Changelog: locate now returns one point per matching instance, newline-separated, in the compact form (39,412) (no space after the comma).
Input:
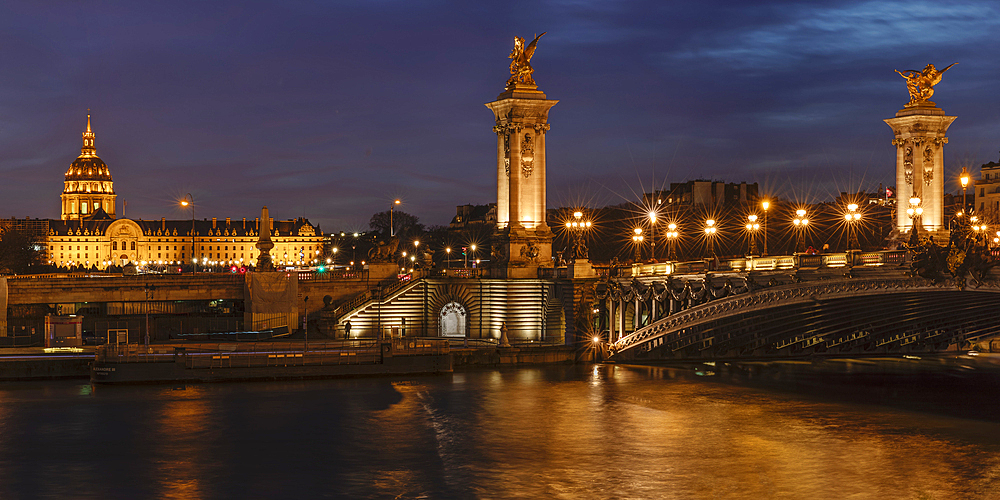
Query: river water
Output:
(594,431)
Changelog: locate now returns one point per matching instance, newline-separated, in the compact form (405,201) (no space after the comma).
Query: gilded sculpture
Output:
(921,84)
(520,64)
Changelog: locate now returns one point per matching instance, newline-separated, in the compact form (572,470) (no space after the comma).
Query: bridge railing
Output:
(333,275)
(774,263)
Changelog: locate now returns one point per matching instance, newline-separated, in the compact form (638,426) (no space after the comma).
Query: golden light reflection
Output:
(184,423)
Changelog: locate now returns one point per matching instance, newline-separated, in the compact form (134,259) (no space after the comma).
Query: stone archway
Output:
(123,258)
(451,320)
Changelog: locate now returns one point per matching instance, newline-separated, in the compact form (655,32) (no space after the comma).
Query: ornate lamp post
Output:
(447,252)
(852,217)
(752,228)
(800,222)
(188,201)
(672,235)
(965,183)
(637,241)
(980,230)
(578,228)
(472,247)
(914,213)
(710,230)
(765,205)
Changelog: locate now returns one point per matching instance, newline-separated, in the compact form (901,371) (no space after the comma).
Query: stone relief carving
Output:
(529,251)
(527,155)
(908,164)
(528,146)
(506,154)
(928,165)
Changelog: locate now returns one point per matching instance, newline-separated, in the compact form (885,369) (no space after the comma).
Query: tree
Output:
(402,223)
(19,251)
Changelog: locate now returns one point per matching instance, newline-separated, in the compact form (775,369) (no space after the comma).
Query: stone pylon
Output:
(524,240)
(919,139)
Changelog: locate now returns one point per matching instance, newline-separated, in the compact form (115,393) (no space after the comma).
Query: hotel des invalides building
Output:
(89,234)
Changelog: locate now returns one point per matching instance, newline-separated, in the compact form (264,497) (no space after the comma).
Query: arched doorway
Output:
(451,321)
(123,258)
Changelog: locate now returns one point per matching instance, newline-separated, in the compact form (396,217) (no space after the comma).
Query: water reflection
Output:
(563,432)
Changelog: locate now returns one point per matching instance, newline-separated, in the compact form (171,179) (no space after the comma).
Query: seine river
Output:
(592,431)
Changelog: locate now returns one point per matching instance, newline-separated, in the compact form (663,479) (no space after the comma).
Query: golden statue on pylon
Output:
(520,64)
(921,83)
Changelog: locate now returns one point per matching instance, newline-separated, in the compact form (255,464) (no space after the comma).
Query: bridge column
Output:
(636,315)
(622,309)
(611,320)
(652,310)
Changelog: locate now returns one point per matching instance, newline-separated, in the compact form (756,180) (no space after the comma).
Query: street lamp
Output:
(391,231)
(752,228)
(188,201)
(914,213)
(800,221)
(765,205)
(965,183)
(448,252)
(710,230)
(472,247)
(637,241)
(652,230)
(672,235)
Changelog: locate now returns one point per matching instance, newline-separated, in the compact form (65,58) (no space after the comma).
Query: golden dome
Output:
(88,166)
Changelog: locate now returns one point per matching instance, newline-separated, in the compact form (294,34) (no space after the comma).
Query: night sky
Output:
(329,110)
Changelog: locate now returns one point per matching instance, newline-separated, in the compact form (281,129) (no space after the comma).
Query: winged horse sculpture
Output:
(520,64)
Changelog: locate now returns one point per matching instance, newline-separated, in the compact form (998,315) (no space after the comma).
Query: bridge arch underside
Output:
(858,325)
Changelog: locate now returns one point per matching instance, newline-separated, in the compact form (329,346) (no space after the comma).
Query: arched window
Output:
(133,245)
(451,321)
(114,245)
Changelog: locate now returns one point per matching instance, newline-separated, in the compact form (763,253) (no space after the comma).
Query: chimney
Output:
(214,220)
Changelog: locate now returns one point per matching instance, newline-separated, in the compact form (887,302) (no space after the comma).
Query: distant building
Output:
(473,215)
(862,198)
(986,191)
(704,193)
(34,227)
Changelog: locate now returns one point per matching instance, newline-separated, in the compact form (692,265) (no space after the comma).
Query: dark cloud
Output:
(330,109)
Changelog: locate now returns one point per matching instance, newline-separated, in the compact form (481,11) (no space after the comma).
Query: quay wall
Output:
(45,368)
(513,356)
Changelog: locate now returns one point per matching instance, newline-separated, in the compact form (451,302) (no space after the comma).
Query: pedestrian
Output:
(347,330)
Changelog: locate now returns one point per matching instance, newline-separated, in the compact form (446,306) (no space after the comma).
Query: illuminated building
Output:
(90,235)
(88,188)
